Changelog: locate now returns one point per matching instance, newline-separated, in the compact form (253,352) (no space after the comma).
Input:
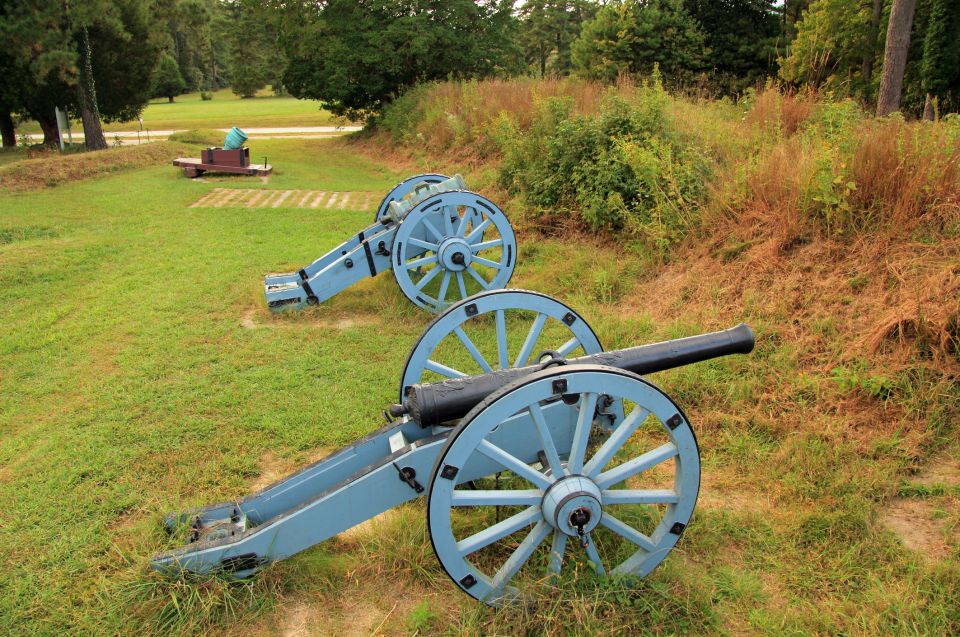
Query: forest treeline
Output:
(104,59)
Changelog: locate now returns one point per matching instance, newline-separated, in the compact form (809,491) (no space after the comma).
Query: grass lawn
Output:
(223,111)
(141,373)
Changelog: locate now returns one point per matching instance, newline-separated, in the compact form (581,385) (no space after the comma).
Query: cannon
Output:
(556,455)
(442,242)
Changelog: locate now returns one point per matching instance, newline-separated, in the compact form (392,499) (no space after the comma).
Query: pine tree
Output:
(632,36)
(547,30)
(166,80)
(73,53)
(940,70)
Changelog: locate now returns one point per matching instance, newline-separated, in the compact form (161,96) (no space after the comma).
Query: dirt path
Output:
(294,132)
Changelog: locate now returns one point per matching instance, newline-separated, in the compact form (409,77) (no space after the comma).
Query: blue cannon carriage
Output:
(535,450)
(441,241)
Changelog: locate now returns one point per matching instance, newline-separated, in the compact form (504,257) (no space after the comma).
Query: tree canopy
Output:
(252,33)
(547,30)
(358,54)
(166,79)
(92,58)
(632,36)
(839,43)
(832,38)
(940,69)
(741,36)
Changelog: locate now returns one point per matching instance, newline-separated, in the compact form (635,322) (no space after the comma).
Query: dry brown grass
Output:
(783,111)
(892,179)
(53,169)
(906,173)
(461,118)
(890,305)
(925,309)
(776,193)
(478,103)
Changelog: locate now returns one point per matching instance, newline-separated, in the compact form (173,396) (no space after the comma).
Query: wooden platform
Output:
(193,167)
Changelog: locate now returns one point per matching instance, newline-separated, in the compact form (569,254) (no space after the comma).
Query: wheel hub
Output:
(573,505)
(454,254)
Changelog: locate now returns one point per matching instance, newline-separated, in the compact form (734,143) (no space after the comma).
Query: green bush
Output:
(625,168)
(401,116)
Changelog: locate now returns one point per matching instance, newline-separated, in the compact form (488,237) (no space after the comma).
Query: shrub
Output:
(626,168)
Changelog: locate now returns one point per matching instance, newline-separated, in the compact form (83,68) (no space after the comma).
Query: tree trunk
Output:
(170,99)
(895,56)
(87,93)
(48,124)
(8,132)
(929,112)
(871,52)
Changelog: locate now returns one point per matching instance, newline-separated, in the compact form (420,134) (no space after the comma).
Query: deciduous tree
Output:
(355,55)
(832,38)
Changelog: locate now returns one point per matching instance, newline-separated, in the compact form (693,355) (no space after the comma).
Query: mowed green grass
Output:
(140,373)
(130,387)
(223,111)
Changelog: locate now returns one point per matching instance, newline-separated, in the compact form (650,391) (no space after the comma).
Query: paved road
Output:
(296,132)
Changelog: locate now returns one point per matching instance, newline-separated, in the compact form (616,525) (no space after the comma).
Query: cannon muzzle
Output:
(435,403)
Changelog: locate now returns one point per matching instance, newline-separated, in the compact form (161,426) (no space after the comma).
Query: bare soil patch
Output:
(914,520)
(250,321)
(944,469)
(914,523)
(716,492)
(274,468)
(361,609)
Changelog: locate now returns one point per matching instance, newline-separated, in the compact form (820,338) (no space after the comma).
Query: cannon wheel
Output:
(617,503)
(542,322)
(406,187)
(450,246)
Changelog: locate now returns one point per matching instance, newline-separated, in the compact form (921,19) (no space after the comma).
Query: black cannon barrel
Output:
(436,403)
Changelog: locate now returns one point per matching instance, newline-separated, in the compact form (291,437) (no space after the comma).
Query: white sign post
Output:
(63,122)
(60,125)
